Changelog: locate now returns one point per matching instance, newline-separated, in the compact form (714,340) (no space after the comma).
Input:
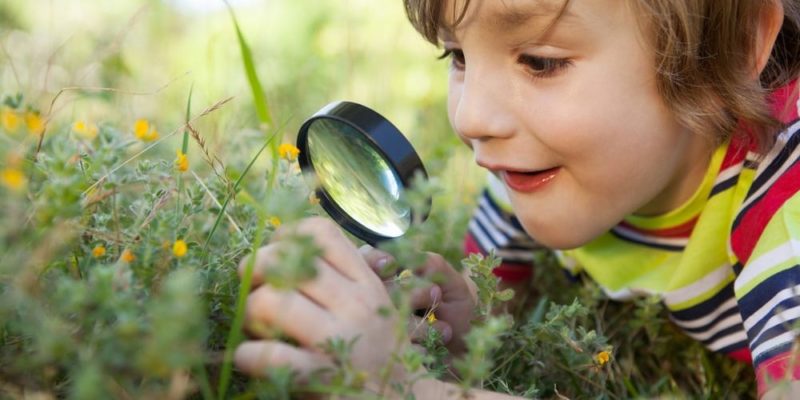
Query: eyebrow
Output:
(512,18)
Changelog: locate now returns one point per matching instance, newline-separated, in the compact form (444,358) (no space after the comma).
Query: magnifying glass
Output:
(363,164)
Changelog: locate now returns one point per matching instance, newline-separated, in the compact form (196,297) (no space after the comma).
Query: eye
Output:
(543,67)
(456,57)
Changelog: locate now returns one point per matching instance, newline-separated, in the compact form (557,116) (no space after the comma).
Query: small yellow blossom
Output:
(143,131)
(10,120)
(602,357)
(431,318)
(405,274)
(85,130)
(181,161)
(275,222)
(179,248)
(98,251)
(13,179)
(34,122)
(288,151)
(127,256)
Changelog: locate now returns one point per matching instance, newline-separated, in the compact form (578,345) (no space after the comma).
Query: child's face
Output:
(579,105)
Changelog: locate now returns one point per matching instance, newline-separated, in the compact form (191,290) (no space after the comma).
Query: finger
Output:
(330,289)
(289,311)
(426,297)
(336,248)
(378,261)
(255,357)
(418,329)
(451,282)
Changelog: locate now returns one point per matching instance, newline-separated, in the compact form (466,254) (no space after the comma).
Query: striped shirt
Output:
(726,264)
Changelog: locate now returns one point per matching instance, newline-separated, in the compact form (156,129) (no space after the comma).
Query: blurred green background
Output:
(307,52)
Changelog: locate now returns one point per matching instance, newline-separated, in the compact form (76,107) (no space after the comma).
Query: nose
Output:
(480,106)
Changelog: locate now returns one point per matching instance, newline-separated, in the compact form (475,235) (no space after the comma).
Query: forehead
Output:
(500,14)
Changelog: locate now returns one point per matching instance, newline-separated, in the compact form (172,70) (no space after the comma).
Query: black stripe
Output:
(737,268)
(740,345)
(667,247)
(722,186)
(774,332)
(764,176)
(706,307)
(710,325)
(751,302)
(725,332)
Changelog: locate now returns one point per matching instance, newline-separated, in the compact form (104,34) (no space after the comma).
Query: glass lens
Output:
(357,177)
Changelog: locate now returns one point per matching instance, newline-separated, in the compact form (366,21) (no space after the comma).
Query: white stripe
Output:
(725,341)
(779,145)
(701,286)
(627,293)
(631,234)
(767,308)
(729,172)
(720,326)
(480,237)
(497,236)
(514,255)
(787,337)
(770,259)
(497,221)
(706,319)
(785,317)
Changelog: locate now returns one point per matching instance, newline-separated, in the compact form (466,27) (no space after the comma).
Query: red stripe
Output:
(736,153)
(742,355)
(782,367)
(755,220)
(509,272)
(683,230)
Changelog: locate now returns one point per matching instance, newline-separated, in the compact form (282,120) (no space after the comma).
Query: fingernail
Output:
(381,263)
(447,333)
(436,293)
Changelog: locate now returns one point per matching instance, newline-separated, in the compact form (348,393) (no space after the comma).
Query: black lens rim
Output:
(385,138)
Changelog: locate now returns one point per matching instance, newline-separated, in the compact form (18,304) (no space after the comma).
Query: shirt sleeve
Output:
(766,241)
(494,227)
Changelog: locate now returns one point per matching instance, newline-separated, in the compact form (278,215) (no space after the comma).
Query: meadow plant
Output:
(118,278)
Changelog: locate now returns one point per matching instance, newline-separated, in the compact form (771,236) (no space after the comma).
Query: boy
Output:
(637,135)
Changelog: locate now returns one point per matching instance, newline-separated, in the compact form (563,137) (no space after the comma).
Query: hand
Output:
(452,299)
(342,301)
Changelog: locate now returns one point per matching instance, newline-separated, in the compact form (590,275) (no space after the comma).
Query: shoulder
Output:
(776,183)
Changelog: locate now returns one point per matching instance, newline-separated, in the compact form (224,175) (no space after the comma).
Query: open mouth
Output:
(528,181)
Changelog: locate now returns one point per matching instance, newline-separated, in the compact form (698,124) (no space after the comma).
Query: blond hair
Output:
(704,53)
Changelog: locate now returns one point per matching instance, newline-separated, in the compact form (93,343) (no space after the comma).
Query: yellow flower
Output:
(181,161)
(431,318)
(275,222)
(127,256)
(288,151)
(85,130)
(602,357)
(179,248)
(98,251)
(143,131)
(13,179)
(34,122)
(10,120)
(405,274)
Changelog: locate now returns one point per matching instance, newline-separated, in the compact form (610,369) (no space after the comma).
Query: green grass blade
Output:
(259,98)
(184,146)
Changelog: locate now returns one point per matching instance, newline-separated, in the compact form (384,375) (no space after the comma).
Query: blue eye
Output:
(543,67)
(456,56)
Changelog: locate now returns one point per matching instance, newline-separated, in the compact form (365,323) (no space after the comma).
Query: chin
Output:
(562,237)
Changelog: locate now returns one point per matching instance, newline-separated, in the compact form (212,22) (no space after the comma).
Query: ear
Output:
(769,25)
